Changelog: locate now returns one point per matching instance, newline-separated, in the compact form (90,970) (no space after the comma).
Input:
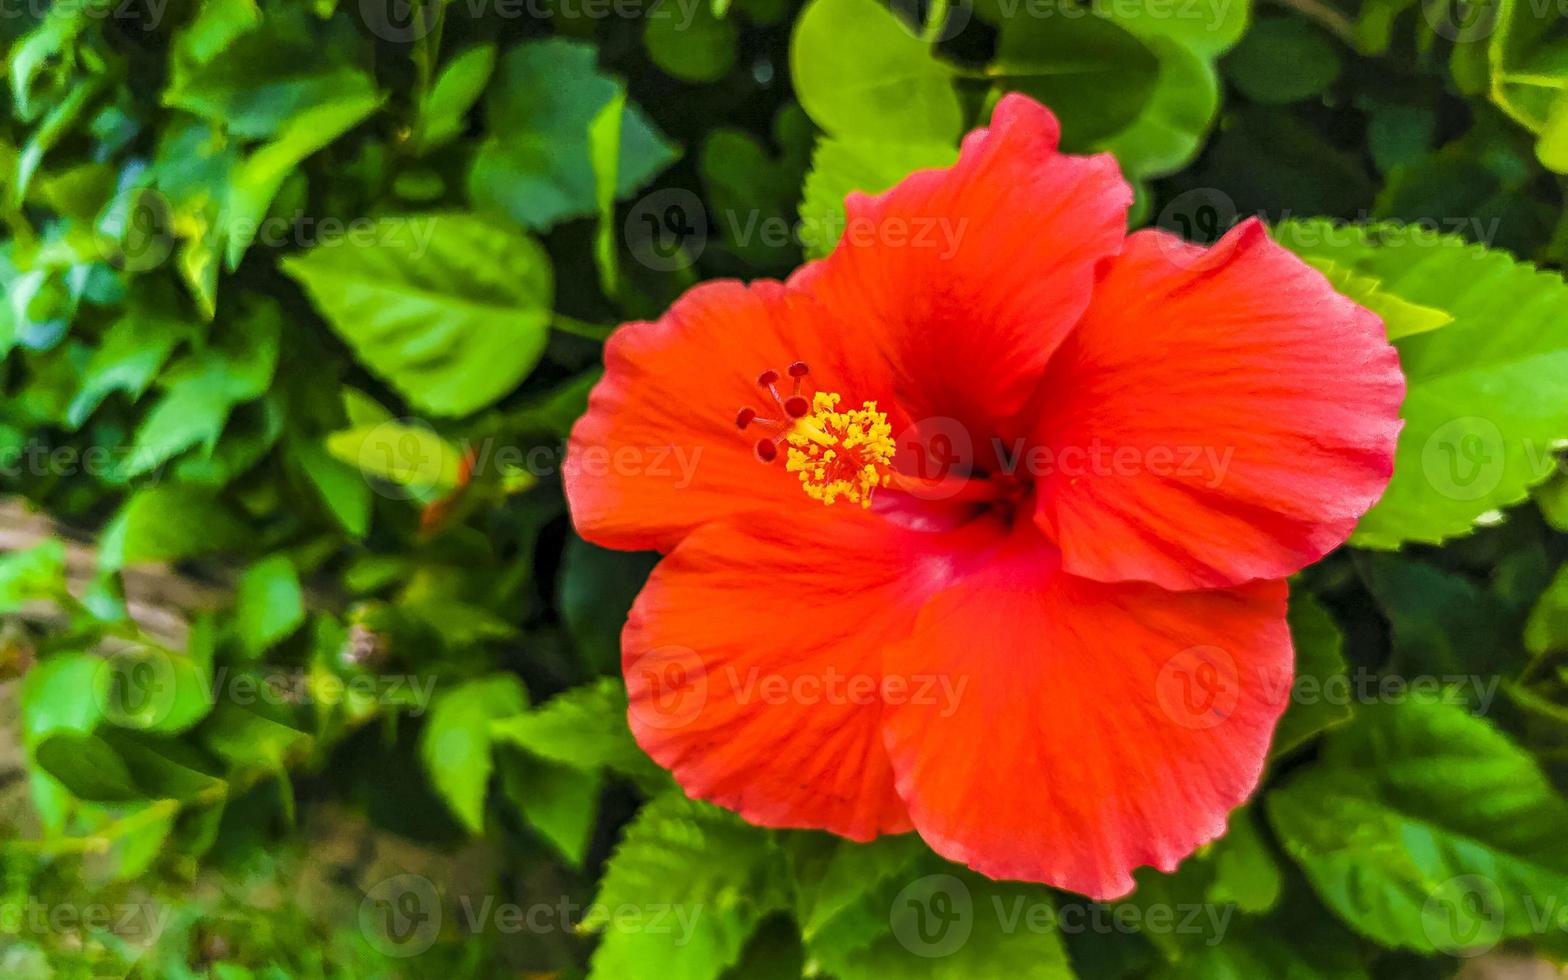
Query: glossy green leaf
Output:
(861,73)
(455,745)
(711,879)
(1424,827)
(1466,450)
(534,165)
(1094,74)
(452,310)
(269,604)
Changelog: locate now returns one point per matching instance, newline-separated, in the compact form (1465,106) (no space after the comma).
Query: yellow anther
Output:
(841,454)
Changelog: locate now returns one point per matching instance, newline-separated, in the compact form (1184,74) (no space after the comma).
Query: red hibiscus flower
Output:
(978,526)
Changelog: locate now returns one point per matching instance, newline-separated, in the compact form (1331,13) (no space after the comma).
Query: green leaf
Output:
(217,24)
(203,388)
(144,688)
(1441,622)
(934,919)
(343,489)
(838,885)
(1527,65)
(410,456)
(257,180)
(604,148)
(840,166)
(560,802)
(453,320)
(861,73)
(169,521)
(1297,941)
(1283,60)
(269,604)
(1400,317)
(584,728)
(1487,396)
(1546,631)
(709,878)
(455,745)
(1095,75)
(87,766)
(127,360)
(444,112)
(1316,702)
(162,767)
(689,41)
(256,737)
(534,165)
(57,696)
(1170,127)
(1245,871)
(54,36)
(32,573)
(1423,827)
(258,83)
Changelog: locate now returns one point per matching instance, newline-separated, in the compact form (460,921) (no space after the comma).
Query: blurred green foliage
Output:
(303,296)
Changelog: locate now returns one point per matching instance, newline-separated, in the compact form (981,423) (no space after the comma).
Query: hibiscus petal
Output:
(970,276)
(1098,727)
(658,452)
(1218,416)
(752,663)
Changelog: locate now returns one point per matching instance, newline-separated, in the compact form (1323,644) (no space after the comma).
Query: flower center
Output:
(846,454)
